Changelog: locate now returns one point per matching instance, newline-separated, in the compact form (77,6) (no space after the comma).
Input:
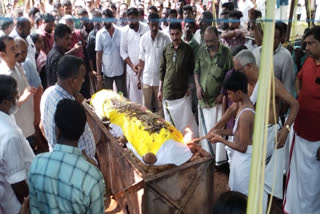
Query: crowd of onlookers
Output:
(167,56)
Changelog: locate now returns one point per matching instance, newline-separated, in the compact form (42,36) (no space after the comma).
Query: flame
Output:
(188,136)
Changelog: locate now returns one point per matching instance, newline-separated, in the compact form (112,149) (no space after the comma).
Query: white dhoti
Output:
(179,113)
(134,94)
(303,178)
(210,117)
(240,171)
(275,164)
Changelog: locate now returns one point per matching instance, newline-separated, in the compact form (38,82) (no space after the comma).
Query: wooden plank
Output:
(290,19)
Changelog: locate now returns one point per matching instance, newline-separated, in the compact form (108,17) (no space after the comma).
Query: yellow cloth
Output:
(133,128)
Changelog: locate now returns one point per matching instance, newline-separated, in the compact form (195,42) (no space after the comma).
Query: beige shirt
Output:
(25,115)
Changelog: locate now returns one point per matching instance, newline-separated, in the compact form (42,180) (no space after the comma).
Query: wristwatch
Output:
(288,127)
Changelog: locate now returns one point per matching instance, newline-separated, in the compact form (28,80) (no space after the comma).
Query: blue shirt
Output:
(63,181)
(30,71)
(48,106)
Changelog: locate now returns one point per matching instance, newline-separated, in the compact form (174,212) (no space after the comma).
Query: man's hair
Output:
(70,118)
(212,29)
(175,26)
(48,17)
(141,12)
(228,5)
(21,22)
(281,27)
(35,37)
(82,12)
(113,6)
(153,8)
(132,11)
(60,31)
(172,11)
(5,23)
(123,3)
(183,1)
(237,81)
(315,31)
(154,17)
(8,85)
(56,5)
(224,13)
(238,48)
(66,3)
(187,8)
(97,14)
(235,14)
(68,67)
(33,11)
(107,13)
(3,39)
(207,17)
(245,57)
(231,202)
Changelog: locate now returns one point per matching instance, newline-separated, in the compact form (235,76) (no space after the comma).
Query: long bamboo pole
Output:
(292,6)
(255,197)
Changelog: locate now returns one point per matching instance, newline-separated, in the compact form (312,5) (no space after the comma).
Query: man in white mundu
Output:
(303,189)
(129,51)
(212,62)
(177,64)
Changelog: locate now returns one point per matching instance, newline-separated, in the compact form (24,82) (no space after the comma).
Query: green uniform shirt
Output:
(175,68)
(211,72)
(193,43)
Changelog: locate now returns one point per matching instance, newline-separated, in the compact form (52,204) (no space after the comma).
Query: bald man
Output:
(31,74)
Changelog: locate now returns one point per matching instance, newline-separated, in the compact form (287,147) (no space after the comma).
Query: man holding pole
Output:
(212,62)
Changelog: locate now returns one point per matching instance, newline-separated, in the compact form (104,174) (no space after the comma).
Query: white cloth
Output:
(211,117)
(317,14)
(275,166)
(25,114)
(180,112)
(303,189)
(151,53)
(15,159)
(167,32)
(130,47)
(112,63)
(244,6)
(254,95)
(239,177)
(241,164)
(170,152)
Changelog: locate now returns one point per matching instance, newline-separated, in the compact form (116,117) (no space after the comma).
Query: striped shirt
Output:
(48,105)
(63,181)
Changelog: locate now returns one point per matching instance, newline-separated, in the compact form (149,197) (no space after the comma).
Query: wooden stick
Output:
(199,139)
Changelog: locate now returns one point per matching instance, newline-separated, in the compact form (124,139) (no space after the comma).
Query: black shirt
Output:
(51,66)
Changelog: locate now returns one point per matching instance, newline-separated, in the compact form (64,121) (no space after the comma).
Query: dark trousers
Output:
(120,83)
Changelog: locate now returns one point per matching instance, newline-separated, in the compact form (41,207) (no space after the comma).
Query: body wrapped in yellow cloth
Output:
(146,132)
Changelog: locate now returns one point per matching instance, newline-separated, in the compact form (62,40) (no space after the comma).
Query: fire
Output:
(188,136)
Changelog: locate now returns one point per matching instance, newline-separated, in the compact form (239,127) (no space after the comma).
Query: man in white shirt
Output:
(25,114)
(109,61)
(151,48)
(15,153)
(129,51)
(22,29)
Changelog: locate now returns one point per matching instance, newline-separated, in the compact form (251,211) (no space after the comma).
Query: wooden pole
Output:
(308,9)
(293,2)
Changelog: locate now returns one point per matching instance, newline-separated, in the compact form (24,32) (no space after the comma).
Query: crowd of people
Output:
(168,57)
